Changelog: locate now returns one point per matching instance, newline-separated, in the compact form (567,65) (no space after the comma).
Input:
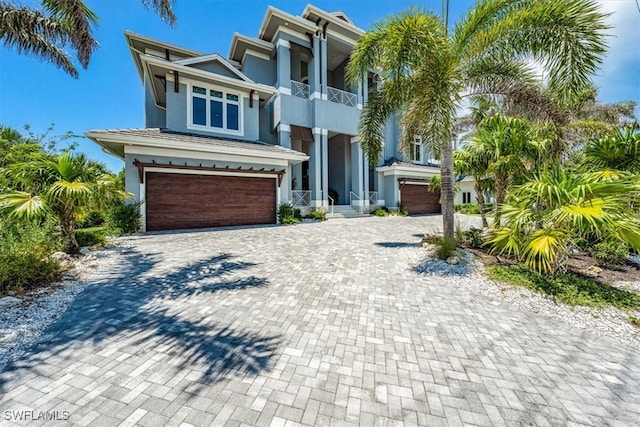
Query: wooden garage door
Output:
(176,201)
(418,199)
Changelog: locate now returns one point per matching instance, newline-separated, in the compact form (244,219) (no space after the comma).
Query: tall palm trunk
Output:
(446,174)
(68,226)
(480,199)
(501,193)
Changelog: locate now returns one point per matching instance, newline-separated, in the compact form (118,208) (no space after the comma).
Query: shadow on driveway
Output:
(152,310)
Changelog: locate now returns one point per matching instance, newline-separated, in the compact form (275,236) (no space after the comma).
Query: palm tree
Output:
(46,32)
(467,164)
(548,214)
(59,188)
(503,150)
(426,71)
(619,150)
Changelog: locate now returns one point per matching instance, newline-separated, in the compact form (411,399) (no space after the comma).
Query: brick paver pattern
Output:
(315,324)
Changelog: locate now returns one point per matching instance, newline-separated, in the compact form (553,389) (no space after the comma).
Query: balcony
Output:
(342,97)
(299,89)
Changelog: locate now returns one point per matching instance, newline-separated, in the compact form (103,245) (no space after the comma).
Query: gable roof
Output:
(141,44)
(241,43)
(274,18)
(339,22)
(214,57)
(159,67)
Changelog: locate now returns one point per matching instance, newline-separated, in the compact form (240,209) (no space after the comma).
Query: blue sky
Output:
(109,93)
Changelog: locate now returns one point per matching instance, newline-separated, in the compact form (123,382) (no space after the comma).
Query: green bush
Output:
(25,251)
(402,209)
(287,210)
(124,217)
(568,288)
(473,237)
(446,248)
(92,236)
(288,220)
(467,208)
(380,212)
(610,253)
(318,215)
(91,219)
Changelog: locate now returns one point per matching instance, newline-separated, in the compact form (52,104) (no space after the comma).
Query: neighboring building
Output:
(227,139)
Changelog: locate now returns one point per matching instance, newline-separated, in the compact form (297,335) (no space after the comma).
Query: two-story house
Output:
(227,139)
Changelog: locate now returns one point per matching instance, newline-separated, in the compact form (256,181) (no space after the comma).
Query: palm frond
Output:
(544,248)
(568,37)
(31,32)
(378,108)
(21,204)
(164,9)
(79,21)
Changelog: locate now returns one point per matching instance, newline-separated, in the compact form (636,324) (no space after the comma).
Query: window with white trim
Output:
(415,150)
(466,197)
(214,109)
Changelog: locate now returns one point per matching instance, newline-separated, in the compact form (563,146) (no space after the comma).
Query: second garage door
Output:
(418,199)
(178,201)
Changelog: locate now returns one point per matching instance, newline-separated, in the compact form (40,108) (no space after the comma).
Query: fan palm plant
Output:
(467,164)
(45,32)
(619,150)
(426,71)
(59,188)
(548,214)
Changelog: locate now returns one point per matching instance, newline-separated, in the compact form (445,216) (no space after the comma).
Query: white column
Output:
(325,167)
(357,182)
(365,179)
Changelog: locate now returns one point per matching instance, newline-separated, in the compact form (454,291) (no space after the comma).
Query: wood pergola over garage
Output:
(188,181)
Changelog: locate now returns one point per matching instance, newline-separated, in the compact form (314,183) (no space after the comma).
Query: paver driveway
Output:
(316,324)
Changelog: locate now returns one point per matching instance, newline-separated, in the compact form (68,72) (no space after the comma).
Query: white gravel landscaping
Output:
(22,323)
(608,322)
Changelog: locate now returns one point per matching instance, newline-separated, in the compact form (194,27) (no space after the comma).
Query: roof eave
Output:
(102,138)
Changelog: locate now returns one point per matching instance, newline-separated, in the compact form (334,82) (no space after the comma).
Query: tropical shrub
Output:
(288,210)
(91,236)
(25,251)
(555,209)
(610,253)
(318,215)
(380,212)
(59,188)
(568,288)
(468,208)
(91,219)
(124,217)
(473,237)
(445,248)
(288,220)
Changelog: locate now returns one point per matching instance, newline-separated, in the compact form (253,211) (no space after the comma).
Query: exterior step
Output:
(345,211)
